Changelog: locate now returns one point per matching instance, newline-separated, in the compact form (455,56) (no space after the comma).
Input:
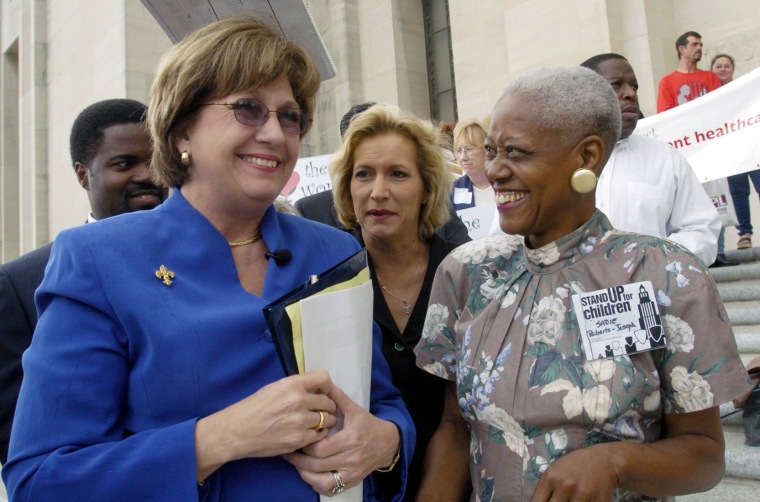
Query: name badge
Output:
(619,320)
(462,196)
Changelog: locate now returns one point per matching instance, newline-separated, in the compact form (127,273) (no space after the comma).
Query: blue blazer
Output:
(122,366)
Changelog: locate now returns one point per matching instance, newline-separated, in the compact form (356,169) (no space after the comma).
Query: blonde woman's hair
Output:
(472,131)
(436,177)
(236,54)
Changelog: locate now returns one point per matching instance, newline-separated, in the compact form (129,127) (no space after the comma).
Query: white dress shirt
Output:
(649,188)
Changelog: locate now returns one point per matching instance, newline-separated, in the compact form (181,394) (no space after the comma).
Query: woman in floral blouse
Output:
(584,363)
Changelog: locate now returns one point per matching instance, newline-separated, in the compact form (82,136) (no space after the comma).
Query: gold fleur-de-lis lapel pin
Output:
(165,275)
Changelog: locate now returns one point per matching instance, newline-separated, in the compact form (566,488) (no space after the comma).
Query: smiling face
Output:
(530,167)
(623,81)
(117,178)
(724,69)
(387,189)
(235,167)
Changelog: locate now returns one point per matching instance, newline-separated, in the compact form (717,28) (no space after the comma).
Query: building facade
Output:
(441,59)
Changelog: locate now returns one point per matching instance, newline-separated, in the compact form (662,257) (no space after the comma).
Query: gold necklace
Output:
(255,238)
(407,308)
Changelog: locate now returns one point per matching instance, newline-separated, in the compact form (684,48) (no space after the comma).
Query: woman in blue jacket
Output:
(151,375)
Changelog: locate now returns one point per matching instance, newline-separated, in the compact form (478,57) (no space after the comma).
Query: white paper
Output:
(478,219)
(337,337)
(180,17)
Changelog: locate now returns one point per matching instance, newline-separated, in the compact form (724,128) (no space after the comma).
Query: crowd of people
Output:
(151,374)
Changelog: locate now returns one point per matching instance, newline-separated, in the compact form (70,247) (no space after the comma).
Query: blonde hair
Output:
(471,131)
(430,161)
(236,54)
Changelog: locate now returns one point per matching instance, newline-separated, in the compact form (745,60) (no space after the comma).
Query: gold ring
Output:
(321,423)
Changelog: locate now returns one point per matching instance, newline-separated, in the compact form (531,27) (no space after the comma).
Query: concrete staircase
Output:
(739,287)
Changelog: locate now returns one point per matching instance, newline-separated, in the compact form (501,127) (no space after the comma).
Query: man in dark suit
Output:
(110,150)
(319,207)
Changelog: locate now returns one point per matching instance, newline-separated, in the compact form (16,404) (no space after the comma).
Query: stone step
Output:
(739,291)
(743,313)
(747,340)
(741,272)
(744,255)
(742,462)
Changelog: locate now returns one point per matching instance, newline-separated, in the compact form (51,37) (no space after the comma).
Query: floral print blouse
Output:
(502,325)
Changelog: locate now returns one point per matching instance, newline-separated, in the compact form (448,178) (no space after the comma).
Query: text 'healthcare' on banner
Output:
(718,133)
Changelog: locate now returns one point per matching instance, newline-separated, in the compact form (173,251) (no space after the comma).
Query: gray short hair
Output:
(572,100)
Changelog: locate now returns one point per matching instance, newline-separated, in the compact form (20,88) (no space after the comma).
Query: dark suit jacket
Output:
(18,317)
(319,207)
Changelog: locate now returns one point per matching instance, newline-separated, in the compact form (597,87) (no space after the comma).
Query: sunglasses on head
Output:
(252,112)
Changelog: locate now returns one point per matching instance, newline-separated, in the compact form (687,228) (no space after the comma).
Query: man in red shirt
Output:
(687,82)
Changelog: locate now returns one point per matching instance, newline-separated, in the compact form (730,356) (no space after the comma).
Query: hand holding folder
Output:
(326,323)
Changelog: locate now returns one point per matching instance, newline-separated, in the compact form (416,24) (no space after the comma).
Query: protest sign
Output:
(309,177)
(718,132)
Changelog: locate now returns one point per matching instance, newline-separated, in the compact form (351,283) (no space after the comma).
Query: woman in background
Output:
(723,66)
(151,375)
(473,188)
(391,186)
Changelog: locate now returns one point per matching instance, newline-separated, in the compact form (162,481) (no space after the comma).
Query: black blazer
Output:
(19,279)
(319,207)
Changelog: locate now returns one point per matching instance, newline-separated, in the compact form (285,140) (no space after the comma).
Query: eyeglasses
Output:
(468,150)
(253,113)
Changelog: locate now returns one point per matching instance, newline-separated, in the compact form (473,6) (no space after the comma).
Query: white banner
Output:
(719,133)
(310,176)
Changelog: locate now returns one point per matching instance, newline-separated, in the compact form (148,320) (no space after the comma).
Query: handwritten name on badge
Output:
(619,320)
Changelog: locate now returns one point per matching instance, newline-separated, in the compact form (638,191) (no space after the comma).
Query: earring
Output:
(185,158)
(583,180)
